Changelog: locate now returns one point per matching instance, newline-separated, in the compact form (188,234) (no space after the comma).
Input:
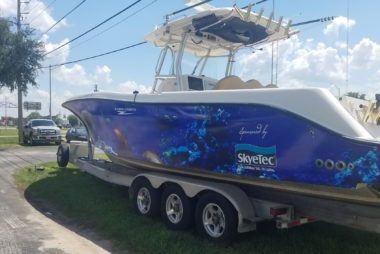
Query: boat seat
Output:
(229,82)
(234,82)
(253,84)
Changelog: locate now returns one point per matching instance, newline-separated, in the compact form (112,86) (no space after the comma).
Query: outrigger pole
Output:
(331,18)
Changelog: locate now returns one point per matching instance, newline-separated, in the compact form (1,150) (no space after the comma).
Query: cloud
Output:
(68,94)
(299,64)
(38,95)
(38,18)
(365,54)
(8,8)
(78,76)
(322,63)
(43,96)
(131,86)
(75,75)
(315,64)
(337,24)
(102,75)
(59,56)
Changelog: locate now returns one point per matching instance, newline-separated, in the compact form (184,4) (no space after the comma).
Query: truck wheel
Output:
(24,139)
(176,208)
(63,155)
(215,218)
(145,198)
(31,141)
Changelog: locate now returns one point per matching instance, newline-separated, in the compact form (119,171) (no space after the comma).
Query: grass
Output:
(8,131)
(105,208)
(8,138)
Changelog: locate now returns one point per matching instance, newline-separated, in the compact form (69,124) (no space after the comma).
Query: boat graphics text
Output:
(251,155)
(261,129)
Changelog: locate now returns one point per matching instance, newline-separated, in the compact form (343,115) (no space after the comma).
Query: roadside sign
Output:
(31,105)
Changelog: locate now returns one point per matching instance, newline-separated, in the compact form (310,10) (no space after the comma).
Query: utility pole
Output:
(6,113)
(19,88)
(347,43)
(7,104)
(50,91)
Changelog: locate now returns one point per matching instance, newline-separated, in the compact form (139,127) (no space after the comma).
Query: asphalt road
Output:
(22,228)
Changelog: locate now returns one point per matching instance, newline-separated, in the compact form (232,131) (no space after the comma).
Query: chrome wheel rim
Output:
(214,220)
(143,200)
(174,208)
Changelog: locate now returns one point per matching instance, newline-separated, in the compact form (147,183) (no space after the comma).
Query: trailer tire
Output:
(215,218)
(63,155)
(146,200)
(176,208)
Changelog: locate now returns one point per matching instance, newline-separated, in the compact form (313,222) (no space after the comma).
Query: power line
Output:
(93,28)
(34,6)
(116,24)
(259,2)
(38,15)
(56,23)
(187,8)
(95,56)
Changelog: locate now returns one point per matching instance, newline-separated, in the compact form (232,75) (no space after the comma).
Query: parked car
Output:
(41,131)
(76,133)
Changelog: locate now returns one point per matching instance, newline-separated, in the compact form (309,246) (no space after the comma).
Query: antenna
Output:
(347,42)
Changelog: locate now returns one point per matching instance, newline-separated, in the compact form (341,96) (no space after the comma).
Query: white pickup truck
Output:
(41,131)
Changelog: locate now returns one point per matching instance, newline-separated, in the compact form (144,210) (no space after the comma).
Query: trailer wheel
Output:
(63,155)
(145,198)
(176,208)
(215,218)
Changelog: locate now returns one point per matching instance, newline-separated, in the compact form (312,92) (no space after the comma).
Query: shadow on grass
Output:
(80,200)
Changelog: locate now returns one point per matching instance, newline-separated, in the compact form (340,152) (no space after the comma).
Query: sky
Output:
(315,57)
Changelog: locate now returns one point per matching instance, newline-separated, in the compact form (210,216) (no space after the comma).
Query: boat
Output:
(299,141)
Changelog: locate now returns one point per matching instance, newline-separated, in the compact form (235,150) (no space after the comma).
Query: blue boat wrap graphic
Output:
(209,136)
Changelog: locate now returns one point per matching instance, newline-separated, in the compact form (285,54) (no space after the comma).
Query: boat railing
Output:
(162,77)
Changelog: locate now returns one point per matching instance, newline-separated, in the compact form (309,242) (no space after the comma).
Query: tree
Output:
(73,120)
(57,119)
(356,95)
(20,60)
(33,115)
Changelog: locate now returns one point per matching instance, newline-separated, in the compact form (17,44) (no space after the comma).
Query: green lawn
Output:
(8,137)
(8,131)
(105,208)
